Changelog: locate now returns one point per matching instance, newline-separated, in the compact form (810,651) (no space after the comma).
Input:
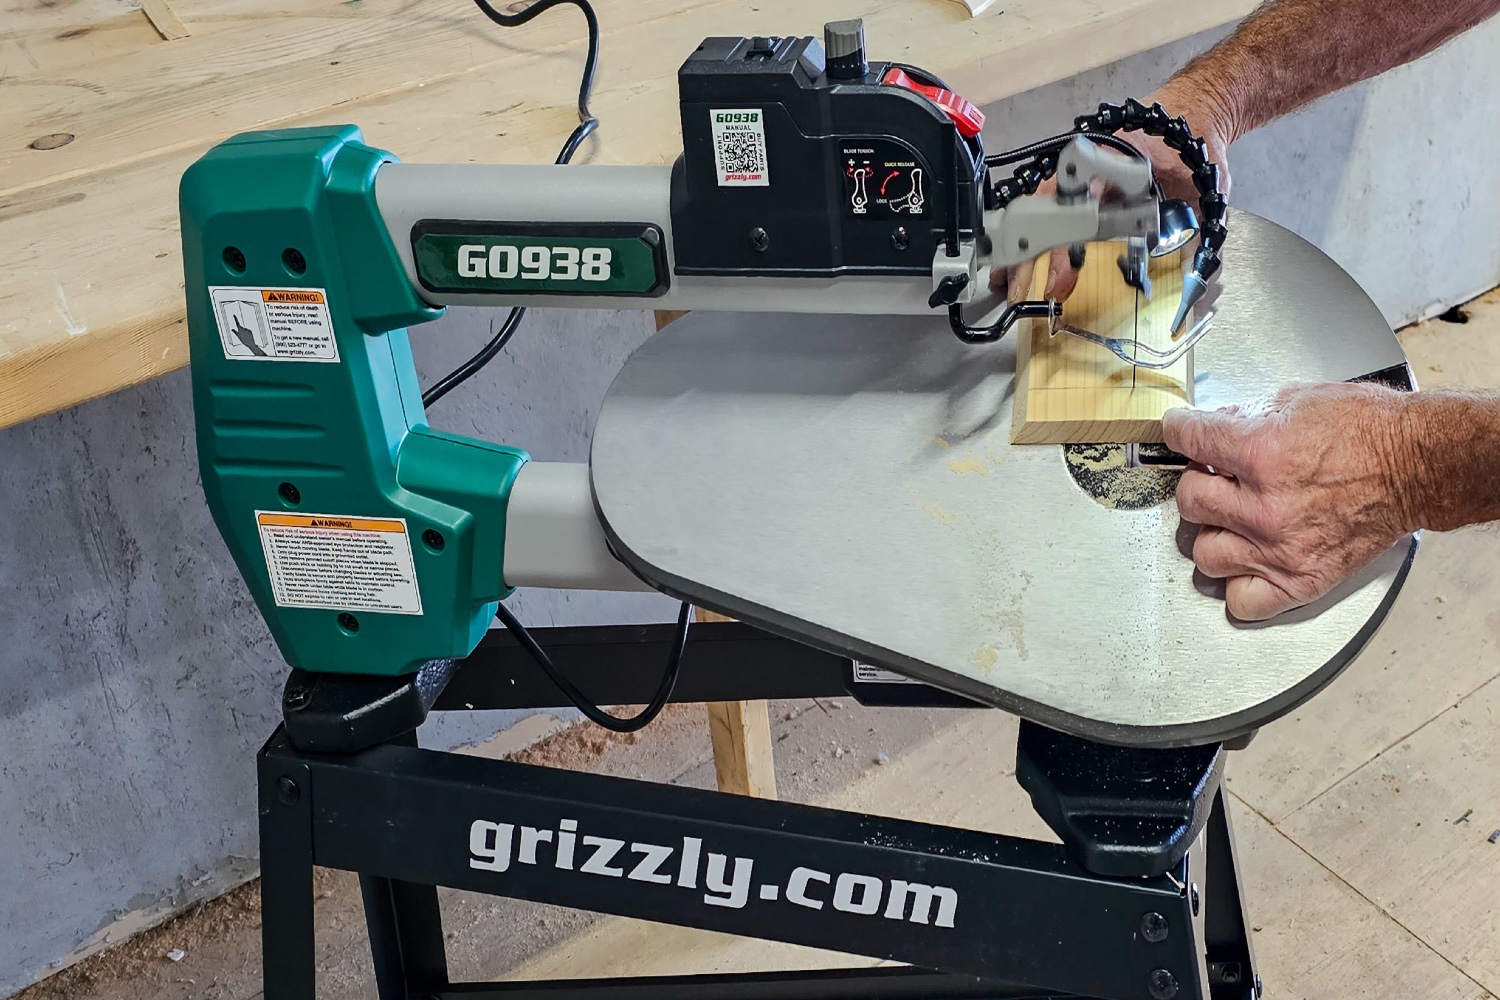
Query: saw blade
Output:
(1135,353)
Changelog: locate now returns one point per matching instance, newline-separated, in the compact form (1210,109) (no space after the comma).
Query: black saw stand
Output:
(1142,903)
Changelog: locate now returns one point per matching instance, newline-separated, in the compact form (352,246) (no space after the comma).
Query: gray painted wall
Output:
(136,679)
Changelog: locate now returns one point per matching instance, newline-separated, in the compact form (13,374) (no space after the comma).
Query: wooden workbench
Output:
(100,113)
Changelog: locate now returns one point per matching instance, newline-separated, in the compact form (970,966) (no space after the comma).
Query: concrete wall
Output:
(136,679)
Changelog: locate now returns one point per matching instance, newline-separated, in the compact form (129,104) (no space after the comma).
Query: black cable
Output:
(590,62)
(486,353)
(587,123)
(1056,143)
(577,697)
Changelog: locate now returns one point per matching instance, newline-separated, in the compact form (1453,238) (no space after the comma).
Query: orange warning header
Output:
(330,521)
(282,295)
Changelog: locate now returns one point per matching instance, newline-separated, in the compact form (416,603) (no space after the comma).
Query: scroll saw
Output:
(819,450)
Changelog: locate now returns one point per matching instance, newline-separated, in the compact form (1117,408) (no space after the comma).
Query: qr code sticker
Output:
(740,147)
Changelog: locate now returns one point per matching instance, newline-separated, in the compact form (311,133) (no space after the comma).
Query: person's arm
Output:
(1298,492)
(1289,53)
(1286,54)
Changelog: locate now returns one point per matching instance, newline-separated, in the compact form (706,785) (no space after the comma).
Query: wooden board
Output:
(740,730)
(1069,390)
(741,734)
(91,286)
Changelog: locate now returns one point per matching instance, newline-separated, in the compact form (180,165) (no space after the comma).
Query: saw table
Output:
(877,449)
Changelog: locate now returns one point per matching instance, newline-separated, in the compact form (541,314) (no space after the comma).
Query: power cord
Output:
(587,123)
(577,697)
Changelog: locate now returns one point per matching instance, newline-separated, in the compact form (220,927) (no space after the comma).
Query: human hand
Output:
(1297,492)
(1210,125)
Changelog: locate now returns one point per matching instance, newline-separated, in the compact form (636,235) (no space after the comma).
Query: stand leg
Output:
(406,937)
(1231,963)
(286,881)
(405,925)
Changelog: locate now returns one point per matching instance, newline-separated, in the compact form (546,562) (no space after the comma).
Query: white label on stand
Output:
(274,324)
(867,674)
(340,563)
(740,147)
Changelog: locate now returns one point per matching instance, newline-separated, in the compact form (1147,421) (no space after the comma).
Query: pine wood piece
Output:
(741,733)
(1069,390)
(663,317)
(164,19)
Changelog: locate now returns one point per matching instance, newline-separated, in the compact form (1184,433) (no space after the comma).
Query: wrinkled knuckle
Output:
(1190,502)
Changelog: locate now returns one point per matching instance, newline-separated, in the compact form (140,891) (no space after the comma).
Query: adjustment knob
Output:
(844,45)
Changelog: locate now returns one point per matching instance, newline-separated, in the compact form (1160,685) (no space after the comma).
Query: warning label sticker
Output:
(740,147)
(340,563)
(879,675)
(274,324)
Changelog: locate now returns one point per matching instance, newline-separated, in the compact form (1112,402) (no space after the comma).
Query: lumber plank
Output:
(740,730)
(164,19)
(91,298)
(741,734)
(247,70)
(1069,390)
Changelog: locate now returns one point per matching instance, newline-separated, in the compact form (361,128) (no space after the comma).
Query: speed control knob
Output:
(844,45)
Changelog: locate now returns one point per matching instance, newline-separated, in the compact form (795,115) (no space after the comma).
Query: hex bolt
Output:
(760,240)
(296,697)
(1162,984)
(287,791)
(1154,927)
(900,239)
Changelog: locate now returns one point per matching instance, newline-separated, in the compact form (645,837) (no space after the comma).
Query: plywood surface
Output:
(1071,390)
(91,273)
(1433,800)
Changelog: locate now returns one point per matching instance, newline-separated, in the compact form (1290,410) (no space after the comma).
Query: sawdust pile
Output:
(1099,469)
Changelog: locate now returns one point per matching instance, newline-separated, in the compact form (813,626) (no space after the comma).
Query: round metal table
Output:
(848,481)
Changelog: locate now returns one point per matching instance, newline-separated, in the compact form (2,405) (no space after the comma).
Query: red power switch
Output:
(969,119)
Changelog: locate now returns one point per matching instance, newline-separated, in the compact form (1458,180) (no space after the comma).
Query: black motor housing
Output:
(788,172)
